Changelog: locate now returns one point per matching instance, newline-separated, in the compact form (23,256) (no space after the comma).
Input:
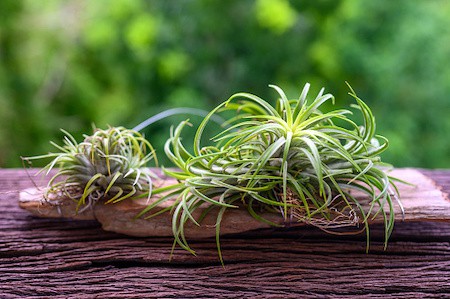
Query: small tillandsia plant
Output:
(109,164)
(292,159)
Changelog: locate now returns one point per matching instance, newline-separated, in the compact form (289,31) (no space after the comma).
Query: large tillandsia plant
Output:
(109,164)
(291,159)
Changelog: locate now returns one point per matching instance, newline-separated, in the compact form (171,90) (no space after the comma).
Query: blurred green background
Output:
(69,64)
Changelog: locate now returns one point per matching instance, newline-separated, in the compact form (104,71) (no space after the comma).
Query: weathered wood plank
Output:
(421,201)
(62,258)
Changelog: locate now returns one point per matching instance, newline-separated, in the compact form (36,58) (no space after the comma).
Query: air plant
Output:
(291,159)
(109,164)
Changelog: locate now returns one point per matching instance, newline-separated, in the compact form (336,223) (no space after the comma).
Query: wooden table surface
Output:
(58,258)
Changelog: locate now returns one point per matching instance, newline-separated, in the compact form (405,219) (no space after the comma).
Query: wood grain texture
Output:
(59,258)
(421,200)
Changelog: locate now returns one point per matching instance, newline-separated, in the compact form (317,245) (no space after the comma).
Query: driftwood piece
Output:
(421,202)
(121,217)
(60,258)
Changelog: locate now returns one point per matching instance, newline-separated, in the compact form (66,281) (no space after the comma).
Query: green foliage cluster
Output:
(111,163)
(291,159)
(73,63)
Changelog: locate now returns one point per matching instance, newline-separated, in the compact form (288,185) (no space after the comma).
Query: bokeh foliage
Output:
(68,64)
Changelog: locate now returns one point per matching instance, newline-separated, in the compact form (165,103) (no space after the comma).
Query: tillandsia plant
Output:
(291,159)
(109,164)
